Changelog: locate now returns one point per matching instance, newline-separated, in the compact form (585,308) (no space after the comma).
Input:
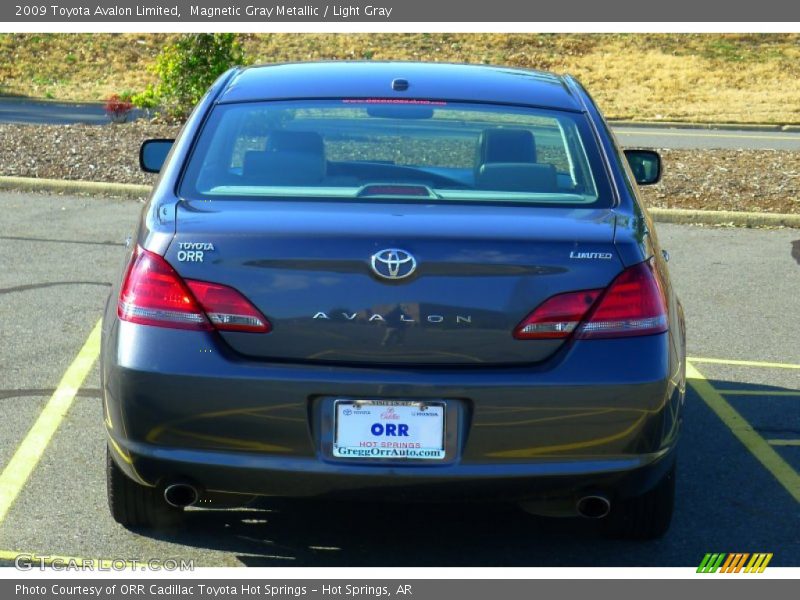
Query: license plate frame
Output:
(437,429)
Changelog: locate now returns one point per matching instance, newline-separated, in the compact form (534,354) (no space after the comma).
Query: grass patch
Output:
(737,78)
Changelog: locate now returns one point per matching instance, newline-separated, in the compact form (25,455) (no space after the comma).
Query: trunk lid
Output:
(479,271)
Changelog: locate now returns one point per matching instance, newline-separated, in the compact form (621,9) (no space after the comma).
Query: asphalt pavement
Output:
(21,110)
(738,483)
(692,139)
(24,110)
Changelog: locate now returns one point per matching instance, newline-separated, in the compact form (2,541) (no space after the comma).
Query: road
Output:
(47,112)
(23,110)
(690,139)
(738,483)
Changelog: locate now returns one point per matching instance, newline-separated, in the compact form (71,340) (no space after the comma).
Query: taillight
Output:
(227,309)
(154,294)
(632,305)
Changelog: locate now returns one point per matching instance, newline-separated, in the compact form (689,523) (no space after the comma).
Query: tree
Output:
(186,69)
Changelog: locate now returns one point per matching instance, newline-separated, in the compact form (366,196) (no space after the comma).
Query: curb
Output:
(688,125)
(724,217)
(65,186)
(660,215)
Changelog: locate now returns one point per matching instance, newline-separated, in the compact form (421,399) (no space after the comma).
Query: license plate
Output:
(387,429)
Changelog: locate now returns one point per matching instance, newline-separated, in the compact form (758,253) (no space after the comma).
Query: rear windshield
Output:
(409,150)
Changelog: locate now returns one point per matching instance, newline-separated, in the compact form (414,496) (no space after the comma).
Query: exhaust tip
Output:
(180,495)
(594,507)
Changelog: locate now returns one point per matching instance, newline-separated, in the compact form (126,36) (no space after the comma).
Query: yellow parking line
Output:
(757,393)
(744,363)
(745,433)
(30,451)
(783,442)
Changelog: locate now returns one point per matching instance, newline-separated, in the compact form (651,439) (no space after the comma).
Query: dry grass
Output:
(689,77)
(76,66)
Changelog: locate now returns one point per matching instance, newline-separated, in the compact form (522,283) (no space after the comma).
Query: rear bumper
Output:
(307,477)
(602,416)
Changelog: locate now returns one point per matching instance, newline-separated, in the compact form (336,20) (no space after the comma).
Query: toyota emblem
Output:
(393,263)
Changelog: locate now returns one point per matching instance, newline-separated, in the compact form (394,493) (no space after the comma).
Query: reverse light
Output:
(153,293)
(557,317)
(633,304)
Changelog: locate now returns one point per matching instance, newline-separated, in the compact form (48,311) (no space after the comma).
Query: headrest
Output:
(501,145)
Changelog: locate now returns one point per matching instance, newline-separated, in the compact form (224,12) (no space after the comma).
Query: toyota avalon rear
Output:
(397,292)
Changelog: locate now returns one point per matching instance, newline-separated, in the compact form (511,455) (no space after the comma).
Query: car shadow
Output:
(336,533)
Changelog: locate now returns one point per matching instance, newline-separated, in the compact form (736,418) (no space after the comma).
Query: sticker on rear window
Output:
(393,101)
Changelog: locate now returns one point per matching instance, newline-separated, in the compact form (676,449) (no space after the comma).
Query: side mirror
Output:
(153,153)
(645,164)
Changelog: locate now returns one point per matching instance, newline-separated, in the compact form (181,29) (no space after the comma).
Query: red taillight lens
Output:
(154,294)
(227,309)
(632,305)
(557,317)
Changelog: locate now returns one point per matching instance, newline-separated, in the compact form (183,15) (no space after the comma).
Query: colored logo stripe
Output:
(758,563)
(710,563)
(733,562)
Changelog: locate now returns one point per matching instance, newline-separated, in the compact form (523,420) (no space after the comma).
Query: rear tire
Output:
(133,505)
(645,517)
